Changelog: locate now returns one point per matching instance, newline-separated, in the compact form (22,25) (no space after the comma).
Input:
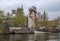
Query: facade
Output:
(38,16)
(13,13)
(32,15)
(26,22)
(38,20)
(29,22)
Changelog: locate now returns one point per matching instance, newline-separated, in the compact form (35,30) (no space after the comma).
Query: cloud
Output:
(52,7)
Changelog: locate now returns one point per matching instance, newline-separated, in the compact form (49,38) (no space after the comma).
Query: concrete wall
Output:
(14,28)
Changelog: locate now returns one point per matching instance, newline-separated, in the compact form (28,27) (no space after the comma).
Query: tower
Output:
(32,15)
(44,19)
(45,15)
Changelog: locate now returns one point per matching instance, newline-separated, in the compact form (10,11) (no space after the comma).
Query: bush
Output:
(1,32)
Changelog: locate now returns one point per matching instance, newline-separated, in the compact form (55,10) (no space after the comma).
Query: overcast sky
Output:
(52,7)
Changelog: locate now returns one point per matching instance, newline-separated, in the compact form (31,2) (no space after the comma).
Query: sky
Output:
(52,7)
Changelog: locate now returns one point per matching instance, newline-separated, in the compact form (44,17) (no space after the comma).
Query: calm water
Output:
(31,37)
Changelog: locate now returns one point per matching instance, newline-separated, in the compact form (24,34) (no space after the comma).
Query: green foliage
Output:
(19,19)
(49,25)
(1,31)
(38,23)
(1,20)
(43,23)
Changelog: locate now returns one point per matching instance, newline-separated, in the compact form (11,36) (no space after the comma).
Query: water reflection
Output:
(31,37)
(22,37)
(4,37)
(42,37)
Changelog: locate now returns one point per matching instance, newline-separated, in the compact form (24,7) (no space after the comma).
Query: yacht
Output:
(39,32)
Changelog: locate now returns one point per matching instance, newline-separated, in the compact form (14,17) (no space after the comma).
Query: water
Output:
(31,37)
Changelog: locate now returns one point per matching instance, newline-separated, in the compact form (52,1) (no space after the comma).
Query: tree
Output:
(57,21)
(19,19)
(1,20)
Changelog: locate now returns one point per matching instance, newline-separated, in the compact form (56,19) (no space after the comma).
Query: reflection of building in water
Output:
(15,37)
(4,37)
(31,37)
(22,37)
(41,37)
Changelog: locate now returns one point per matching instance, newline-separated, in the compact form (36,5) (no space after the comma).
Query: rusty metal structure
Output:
(32,15)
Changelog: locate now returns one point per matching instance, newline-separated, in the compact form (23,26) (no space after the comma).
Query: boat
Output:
(39,32)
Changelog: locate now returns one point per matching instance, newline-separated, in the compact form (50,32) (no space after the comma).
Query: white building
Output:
(29,22)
